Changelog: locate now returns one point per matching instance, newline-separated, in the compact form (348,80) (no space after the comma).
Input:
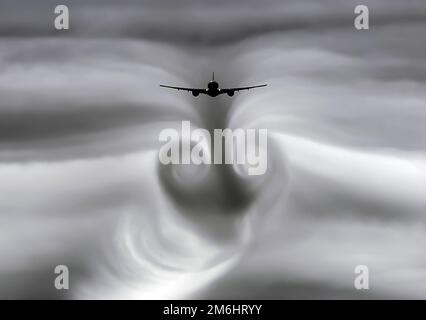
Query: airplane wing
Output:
(231,91)
(194,91)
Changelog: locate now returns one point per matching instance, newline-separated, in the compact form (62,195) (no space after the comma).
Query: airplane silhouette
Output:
(213,89)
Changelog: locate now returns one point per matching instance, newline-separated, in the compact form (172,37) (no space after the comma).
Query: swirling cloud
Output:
(81,185)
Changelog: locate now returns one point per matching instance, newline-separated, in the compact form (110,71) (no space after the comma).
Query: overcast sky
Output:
(81,184)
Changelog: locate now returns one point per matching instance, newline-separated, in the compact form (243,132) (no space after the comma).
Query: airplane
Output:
(213,89)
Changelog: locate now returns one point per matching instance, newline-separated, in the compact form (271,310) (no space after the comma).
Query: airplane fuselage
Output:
(213,89)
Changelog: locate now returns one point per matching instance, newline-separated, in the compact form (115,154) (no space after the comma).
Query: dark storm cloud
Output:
(58,98)
(201,22)
(34,125)
(59,134)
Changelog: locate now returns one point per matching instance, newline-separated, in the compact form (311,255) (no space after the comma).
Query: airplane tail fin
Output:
(213,76)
